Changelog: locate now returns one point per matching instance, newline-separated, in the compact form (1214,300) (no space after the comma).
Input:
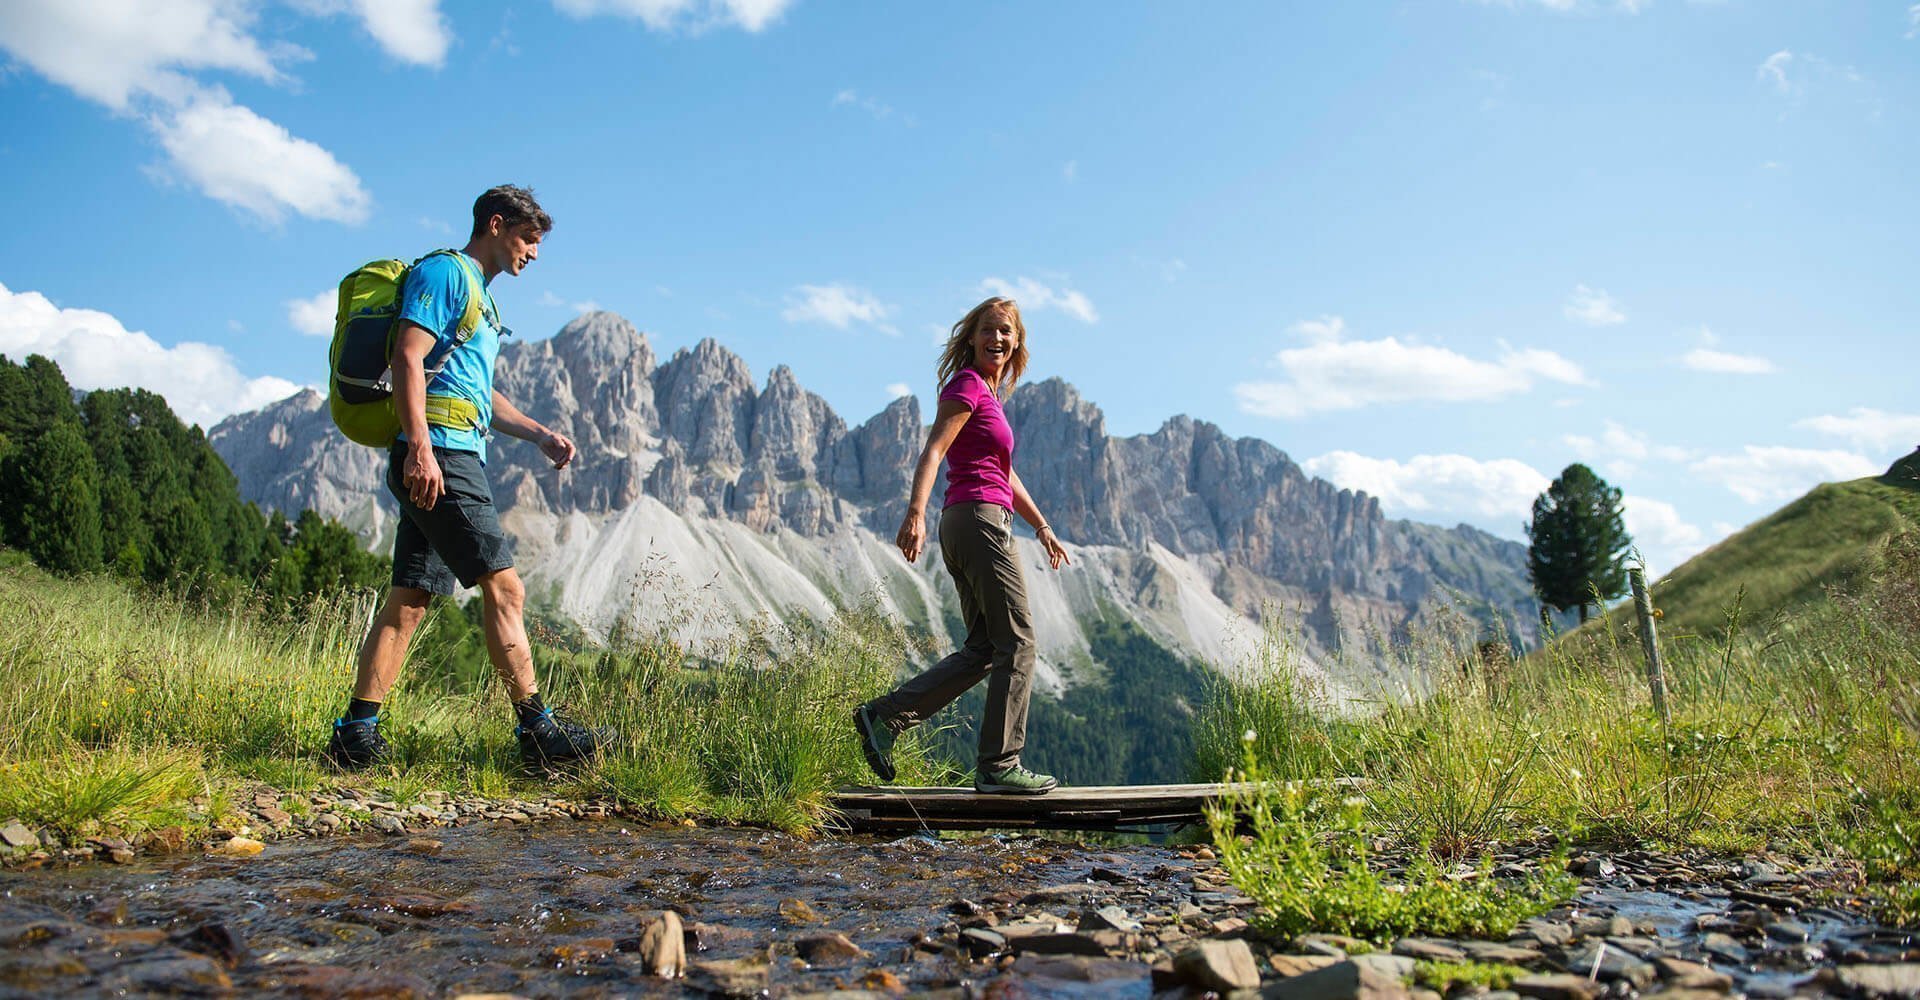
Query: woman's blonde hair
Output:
(958,355)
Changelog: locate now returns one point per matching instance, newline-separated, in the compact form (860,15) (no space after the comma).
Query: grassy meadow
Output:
(123,706)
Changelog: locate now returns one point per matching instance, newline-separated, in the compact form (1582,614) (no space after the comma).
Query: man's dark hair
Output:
(514,205)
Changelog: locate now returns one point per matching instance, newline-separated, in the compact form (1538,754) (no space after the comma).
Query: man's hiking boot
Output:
(357,744)
(554,739)
(1015,780)
(876,741)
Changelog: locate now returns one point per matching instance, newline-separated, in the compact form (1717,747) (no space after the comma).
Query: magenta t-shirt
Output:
(980,462)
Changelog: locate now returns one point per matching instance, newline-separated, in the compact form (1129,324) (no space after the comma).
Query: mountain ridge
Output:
(767,493)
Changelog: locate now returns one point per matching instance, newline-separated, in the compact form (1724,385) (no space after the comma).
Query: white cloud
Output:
(898,389)
(413,31)
(1031,294)
(691,15)
(1593,307)
(1913,21)
(1864,427)
(1573,6)
(838,306)
(1437,484)
(1702,359)
(314,316)
(1774,71)
(1758,474)
(138,58)
(880,110)
(96,351)
(1332,373)
(547,298)
(1620,450)
(1661,534)
(233,155)
(111,52)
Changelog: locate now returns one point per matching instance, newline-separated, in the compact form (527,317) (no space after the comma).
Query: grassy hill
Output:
(1790,558)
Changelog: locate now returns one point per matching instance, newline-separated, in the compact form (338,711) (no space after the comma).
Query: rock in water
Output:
(663,945)
(1218,965)
(1342,981)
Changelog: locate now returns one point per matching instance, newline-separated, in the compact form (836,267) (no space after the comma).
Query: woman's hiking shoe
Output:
(553,738)
(876,741)
(357,743)
(1015,780)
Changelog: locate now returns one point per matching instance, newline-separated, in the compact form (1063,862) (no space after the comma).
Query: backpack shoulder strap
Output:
(479,303)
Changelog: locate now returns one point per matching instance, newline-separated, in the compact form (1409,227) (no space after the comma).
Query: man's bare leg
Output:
(503,601)
(384,650)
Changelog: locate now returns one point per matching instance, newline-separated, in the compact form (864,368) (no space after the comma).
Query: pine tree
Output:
(57,519)
(1579,542)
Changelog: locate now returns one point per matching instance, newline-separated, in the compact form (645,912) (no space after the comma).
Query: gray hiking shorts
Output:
(460,538)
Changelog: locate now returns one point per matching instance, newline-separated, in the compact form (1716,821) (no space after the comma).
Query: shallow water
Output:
(535,910)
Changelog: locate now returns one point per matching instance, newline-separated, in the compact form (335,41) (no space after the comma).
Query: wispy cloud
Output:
(140,61)
(1774,70)
(1031,294)
(1070,170)
(895,390)
(1332,373)
(313,316)
(547,298)
(1663,537)
(1913,21)
(683,15)
(1771,473)
(1573,6)
(1620,450)
(1865,427)
(838,306)
(96,351)
(1593,307)
(1707,358)
(412,31)
(879,109)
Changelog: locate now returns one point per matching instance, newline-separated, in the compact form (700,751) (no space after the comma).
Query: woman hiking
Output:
(983,360)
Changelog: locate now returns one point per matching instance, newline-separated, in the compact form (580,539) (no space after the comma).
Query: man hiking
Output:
(448,529)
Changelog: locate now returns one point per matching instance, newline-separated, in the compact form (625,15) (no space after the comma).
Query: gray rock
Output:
(1109,918)
(1549,933)
(388,823)
(1393,966)
(981,942)
(1788,931)
(1607,963)
(1218,965)
(16,835)
(1557,987)
(1340,981)
(1684,975)
(1490,951)
(1095,943)
(1071,892)
(1429,950)
(1898,980)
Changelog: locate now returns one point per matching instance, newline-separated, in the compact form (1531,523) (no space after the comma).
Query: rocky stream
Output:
(441,899)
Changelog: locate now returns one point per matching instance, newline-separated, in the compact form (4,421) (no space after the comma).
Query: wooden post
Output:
(1650,642)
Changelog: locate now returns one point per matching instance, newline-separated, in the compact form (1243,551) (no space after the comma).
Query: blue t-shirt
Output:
(435,297)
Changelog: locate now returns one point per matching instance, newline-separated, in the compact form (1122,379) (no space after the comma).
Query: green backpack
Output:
(360,377)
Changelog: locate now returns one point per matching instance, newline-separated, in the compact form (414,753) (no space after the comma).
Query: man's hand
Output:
(421,474)
(913,534)
(558,448)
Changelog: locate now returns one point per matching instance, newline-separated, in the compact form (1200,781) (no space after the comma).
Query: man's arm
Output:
(508,420)
(420,472)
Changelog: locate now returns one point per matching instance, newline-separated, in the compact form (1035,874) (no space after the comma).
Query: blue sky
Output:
(1435,250)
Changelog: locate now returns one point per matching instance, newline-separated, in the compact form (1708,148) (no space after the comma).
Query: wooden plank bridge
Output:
(1104,807)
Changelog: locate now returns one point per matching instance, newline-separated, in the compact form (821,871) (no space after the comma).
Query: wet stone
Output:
(797,911)
(828,949)
(1788,931)
(1490,951)
(1072,892)
(663,945)
(1109,918)
(1340,981)
(1096,943)
(1724,947)
(188,974)
(731,977)
(1898,980)
(1681,974)
(1556,987)
(980,942)
(1607,963)
(388,823)
(216,941)
(1547,932)
(1218,965)
(1299,965)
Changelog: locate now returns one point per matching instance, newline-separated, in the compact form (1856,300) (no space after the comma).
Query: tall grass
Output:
(121,705)
(1799,735)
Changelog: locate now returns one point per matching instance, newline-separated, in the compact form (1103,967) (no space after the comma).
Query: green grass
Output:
(1786,560)
(122,705)
(1799,733)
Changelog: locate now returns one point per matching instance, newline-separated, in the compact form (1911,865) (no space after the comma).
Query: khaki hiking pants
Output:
(976,539)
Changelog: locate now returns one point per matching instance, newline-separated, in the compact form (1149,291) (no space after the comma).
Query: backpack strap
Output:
(479,303)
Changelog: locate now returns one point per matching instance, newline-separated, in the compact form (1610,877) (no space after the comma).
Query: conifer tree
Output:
(1579,542)
(57,515)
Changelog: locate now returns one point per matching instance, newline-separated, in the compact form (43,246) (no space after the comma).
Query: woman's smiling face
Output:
(994,340)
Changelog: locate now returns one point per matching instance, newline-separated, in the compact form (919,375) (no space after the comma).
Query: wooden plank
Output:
(1099,807)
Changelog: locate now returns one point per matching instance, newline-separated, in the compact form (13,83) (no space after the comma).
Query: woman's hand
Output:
(1056,553)
(912,538)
